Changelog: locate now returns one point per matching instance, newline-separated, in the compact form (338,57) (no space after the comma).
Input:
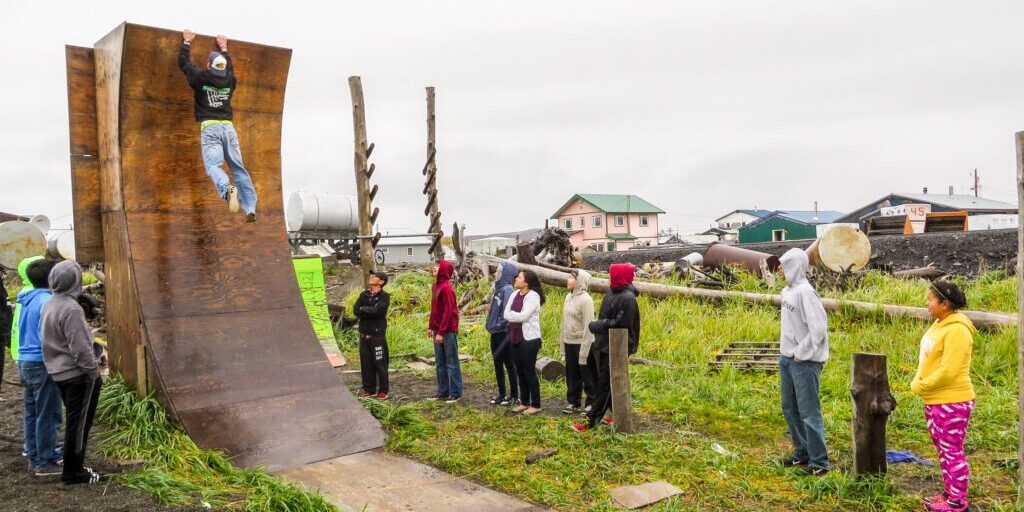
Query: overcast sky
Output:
(698,107)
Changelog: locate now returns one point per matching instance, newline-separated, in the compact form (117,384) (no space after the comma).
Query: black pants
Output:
(79,395)
(602,389)
(501,351)
(373,363)
(525,353)
(578,378)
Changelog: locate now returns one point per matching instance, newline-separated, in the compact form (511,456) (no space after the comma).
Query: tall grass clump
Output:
(177,471)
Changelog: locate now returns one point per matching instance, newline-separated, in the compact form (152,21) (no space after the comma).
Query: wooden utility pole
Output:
(430,187)
(622,399)
(872,404)
(1020,323)
(367,242)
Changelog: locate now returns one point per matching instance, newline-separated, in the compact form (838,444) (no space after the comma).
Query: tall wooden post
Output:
(1020,319)
(430,187)
(363,193)
(622,399)
(872,405)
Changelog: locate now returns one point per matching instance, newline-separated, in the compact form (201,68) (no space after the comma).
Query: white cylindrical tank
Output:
(42,222)
(313,211)
(62,246)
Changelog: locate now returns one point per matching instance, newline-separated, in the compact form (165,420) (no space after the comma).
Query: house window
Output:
(620,221)
(778,235)
(583,222)
(568,223)
(408,251)
(599,247)
(596,221)
(383,249)
(643,221)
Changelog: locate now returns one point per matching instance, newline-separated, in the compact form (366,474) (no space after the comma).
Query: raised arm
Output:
(222,44)
(191,71)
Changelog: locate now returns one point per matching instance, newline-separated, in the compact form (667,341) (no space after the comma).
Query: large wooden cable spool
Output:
(842,248)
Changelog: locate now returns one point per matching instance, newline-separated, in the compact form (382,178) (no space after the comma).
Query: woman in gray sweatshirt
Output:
(71,362)
(577,313)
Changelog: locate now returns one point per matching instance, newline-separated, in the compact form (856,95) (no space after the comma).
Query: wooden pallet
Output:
(758,356)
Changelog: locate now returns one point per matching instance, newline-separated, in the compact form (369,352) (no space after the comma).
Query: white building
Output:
(727,227)
(404,249)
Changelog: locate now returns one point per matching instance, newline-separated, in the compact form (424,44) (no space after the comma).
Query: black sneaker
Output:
(506,400)
(571,409)
(792,461)
(498,400)
(437,397)
(48,469)
(452,399)
(811,471)
(85,477)
(250,217)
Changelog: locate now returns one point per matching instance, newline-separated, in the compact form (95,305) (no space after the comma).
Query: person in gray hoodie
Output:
(497,326)
(70,359)
(804,350)
(577,313)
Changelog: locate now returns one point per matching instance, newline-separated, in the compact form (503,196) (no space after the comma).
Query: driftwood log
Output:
(982,319)
(872,405)
(537,455)
(931,272)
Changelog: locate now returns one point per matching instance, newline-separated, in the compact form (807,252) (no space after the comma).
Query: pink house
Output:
(609,222)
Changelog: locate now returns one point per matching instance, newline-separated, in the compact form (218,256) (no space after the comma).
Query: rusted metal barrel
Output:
(719,255)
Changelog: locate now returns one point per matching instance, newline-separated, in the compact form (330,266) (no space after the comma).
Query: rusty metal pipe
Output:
(719,255)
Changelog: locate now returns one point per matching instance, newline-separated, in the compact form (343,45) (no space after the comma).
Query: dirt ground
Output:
(963,253)
(22,491)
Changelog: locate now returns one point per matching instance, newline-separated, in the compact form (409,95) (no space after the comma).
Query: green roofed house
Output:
(780,226)
(609,222)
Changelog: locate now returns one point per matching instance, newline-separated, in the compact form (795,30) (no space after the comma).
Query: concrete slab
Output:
(637,496)
(375,481)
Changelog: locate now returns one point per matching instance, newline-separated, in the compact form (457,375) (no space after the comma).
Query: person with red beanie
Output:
(619,310)
(444,329)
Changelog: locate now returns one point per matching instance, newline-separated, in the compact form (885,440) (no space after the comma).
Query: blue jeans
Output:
(42,413)
(220,144)
(446,360)
(801,405)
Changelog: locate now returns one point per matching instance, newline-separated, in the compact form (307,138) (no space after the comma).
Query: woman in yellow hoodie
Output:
(943,381)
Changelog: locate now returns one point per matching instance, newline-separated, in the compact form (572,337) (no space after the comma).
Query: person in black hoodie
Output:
(214,87)
(6,315)
(372,310)
(618,310)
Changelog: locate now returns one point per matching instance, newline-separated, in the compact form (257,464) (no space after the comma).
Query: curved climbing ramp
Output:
(202,306)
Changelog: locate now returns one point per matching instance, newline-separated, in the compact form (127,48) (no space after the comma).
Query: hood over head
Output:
(507,273)
(794,265)
(621,275)
(66,279)
(23,271)
(445,271)
(582,282)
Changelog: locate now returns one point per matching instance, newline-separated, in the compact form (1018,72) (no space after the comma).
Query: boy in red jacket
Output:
(444,330)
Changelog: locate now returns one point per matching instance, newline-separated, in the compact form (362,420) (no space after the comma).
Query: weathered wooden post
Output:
(432,212)
(872,405)
(367,242)
(622,399)
(1020,320)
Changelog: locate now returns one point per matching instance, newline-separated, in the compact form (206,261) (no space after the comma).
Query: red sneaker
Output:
(579,427)
(607,420)
(383,395)
(364,394)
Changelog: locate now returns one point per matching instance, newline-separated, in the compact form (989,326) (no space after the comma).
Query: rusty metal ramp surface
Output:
(202,305)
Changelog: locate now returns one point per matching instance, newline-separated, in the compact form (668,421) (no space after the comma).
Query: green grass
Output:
(178,472)
(687,410)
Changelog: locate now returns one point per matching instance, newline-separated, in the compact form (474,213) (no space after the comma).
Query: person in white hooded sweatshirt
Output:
(804,350)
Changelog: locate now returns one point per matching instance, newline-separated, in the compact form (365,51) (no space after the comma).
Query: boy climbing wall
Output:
(213,88)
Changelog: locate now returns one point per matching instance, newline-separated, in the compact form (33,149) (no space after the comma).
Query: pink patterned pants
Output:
(947,424)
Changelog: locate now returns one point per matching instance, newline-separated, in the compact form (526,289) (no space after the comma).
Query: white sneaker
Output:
(232,199)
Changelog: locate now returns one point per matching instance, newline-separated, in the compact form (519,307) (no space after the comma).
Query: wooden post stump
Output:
(622,399)
(1019,137)
(872,405)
